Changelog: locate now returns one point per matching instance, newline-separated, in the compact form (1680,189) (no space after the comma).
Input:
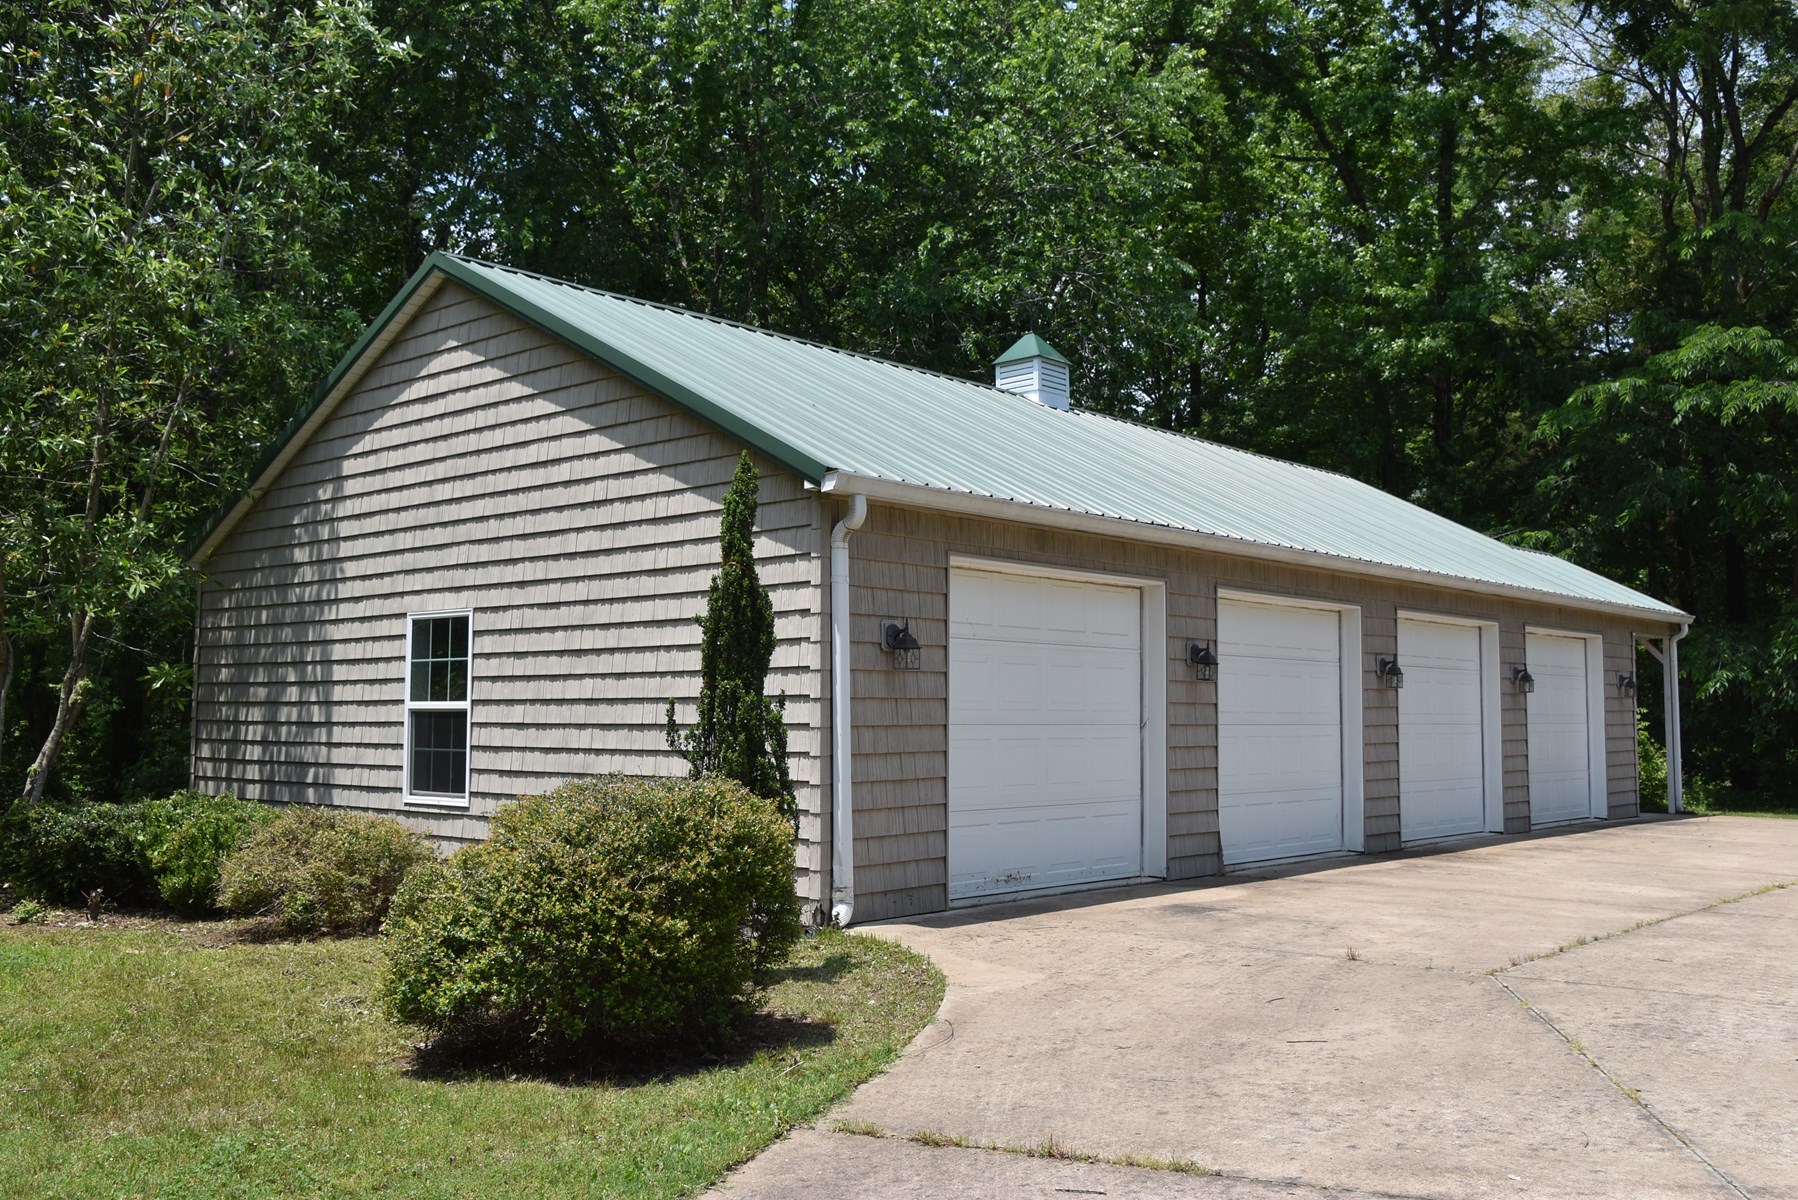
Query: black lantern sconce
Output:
(1524,681)
(1626,684)
(898,639)
(1390,674)
(1203,659)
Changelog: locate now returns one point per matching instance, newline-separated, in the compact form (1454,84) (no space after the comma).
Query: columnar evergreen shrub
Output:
(739,732)
(607,915)
(321,870)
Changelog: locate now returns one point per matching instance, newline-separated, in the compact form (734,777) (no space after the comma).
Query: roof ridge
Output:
(714,319)
(796,340)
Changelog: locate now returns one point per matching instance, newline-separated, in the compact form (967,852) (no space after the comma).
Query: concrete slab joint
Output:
(1604,1013)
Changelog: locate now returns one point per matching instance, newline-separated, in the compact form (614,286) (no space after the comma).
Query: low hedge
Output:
(58,854)
(607,915)
(321,870)
(166,850)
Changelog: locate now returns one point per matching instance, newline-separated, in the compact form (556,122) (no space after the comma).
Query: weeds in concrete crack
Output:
(1518,960)
(1354,955)
(930,1137)
(1629,1093)
(859,1128)
(1049,1147)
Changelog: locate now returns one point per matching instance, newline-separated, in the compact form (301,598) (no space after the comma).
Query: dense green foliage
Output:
(168,850)
(320,870)
(60,853)
(607,915)
(740,733)
(1528,265)
(188,836)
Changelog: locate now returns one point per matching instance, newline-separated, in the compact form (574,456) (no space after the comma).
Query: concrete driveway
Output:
(1608,1012)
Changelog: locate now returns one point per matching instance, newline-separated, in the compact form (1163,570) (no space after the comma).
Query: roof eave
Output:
(916,495)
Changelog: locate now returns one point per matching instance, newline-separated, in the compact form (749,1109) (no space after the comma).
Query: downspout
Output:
(842,820)
(1676,791)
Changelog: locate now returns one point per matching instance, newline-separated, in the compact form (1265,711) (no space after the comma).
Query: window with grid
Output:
(437,708)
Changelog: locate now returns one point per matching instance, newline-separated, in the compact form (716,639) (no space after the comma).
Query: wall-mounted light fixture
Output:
(898,639)
(1390,674)
(1626,684)
(1203,659)
(1523,680)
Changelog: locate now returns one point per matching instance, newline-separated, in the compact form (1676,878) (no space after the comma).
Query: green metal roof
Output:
(816,409)
(1030,346)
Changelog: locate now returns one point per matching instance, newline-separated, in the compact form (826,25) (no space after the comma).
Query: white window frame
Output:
(464,706)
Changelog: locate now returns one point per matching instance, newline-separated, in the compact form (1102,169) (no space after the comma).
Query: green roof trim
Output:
(1030,346)
(816,410)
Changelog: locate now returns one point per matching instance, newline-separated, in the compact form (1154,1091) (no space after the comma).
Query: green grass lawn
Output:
(180,1062)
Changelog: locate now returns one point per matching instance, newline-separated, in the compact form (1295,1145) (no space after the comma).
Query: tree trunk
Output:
(69,701)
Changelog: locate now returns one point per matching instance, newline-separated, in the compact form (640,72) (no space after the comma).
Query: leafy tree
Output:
(1677,467)
(157,292)
(740,733)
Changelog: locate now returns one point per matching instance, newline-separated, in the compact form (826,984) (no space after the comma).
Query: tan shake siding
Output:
(900,569)
(1620,729)
(482,464)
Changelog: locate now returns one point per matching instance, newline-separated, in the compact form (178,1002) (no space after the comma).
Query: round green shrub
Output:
(57,854)
(188,835)
(607,915)
(321,870)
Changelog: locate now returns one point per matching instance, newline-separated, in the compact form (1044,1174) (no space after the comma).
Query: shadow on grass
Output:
(828,971)
(495,1055)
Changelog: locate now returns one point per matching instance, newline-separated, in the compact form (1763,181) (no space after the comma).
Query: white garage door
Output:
(1441,724)
(1559,746)
(1045,733)
(1279,730)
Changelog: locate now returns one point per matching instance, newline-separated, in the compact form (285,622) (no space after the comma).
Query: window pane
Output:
(458,628)
(440,640)
(421,640)
(439,680)
(440,753)
(458,681)
(421,681)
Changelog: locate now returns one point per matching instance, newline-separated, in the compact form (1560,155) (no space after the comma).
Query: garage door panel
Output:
(1556,720)
(1279,731)
(1442,762)
(1045,745)
(1266,690)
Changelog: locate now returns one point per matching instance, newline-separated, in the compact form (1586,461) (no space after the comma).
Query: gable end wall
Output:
(482,464)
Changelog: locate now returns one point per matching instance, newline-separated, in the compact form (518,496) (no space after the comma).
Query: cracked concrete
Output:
(1226,1023)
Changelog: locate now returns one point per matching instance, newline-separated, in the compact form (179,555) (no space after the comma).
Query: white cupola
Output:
(1033,368)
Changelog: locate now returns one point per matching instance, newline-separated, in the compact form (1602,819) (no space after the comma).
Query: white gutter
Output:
(966,503)
(1676,788)
(842,818)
